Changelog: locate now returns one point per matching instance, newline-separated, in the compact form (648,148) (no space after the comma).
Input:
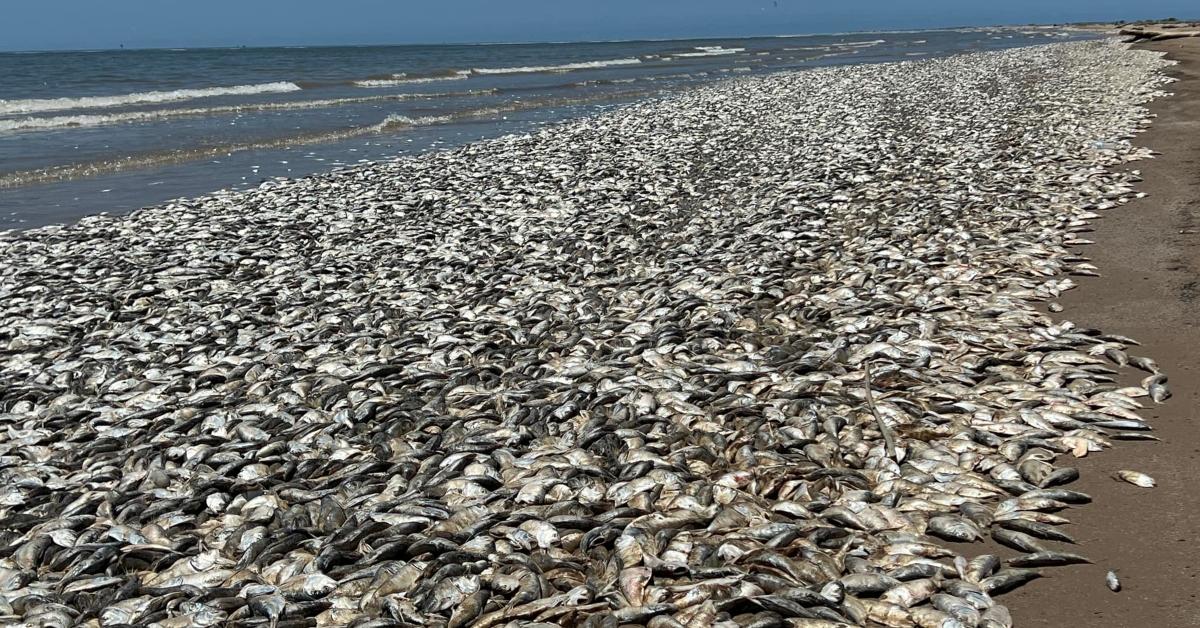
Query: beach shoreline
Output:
(73,145)
(1148,253)
(694,359)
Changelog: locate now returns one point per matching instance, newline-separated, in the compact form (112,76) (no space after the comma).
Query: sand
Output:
(1161,31)
(1149,255)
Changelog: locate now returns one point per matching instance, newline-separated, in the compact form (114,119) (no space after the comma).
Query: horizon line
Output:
(549,42)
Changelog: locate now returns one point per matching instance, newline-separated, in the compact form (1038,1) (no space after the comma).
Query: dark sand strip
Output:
(1149,254)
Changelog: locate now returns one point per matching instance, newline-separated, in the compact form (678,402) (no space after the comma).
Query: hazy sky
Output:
(74,24)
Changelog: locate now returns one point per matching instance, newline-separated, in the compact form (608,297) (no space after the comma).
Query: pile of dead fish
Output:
(628,370)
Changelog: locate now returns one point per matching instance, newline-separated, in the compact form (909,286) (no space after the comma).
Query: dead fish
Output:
(996,616)
(305,587)
(1135,478)
(1144,363)
(954,528)
(270,606)
(981,566)
(633,582)
(1017,540)
(636,369)
(1048,559)
(957,608)
(910,593)
(1060,476)
(926,617)
(970,592)
(1008,579)
(470,608)
(868,583)
(1035,529)
(1156,386)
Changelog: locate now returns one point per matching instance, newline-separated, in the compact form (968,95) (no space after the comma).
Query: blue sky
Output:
(83,24)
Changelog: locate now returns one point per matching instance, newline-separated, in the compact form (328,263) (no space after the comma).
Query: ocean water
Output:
(110,131)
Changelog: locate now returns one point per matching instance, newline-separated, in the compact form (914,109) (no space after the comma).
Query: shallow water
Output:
(111,131)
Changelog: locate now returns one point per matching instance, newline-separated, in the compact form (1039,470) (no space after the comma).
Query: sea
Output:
(91,131)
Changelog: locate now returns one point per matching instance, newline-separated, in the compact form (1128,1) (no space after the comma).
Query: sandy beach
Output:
(1149,255)
(785,350)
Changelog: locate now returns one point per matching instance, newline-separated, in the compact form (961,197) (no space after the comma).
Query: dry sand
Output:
(1149,254)
(1161,31)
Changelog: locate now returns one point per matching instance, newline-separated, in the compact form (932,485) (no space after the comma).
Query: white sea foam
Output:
(82,120)
(566,67)
(862,44)
(396,121)
(710,51)
(159,158)
(36,105)
(404,79)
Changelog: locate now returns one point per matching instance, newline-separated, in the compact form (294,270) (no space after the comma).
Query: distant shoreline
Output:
(1145,30)
(1082,26)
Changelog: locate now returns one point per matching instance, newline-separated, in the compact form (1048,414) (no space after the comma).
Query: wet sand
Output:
(1149,254)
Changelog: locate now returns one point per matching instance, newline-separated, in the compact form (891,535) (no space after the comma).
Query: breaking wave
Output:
(391,123)
(566,67)
(85,120)
(862,44)
(404,79)
(709,51)
(36,105)
(395,122)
